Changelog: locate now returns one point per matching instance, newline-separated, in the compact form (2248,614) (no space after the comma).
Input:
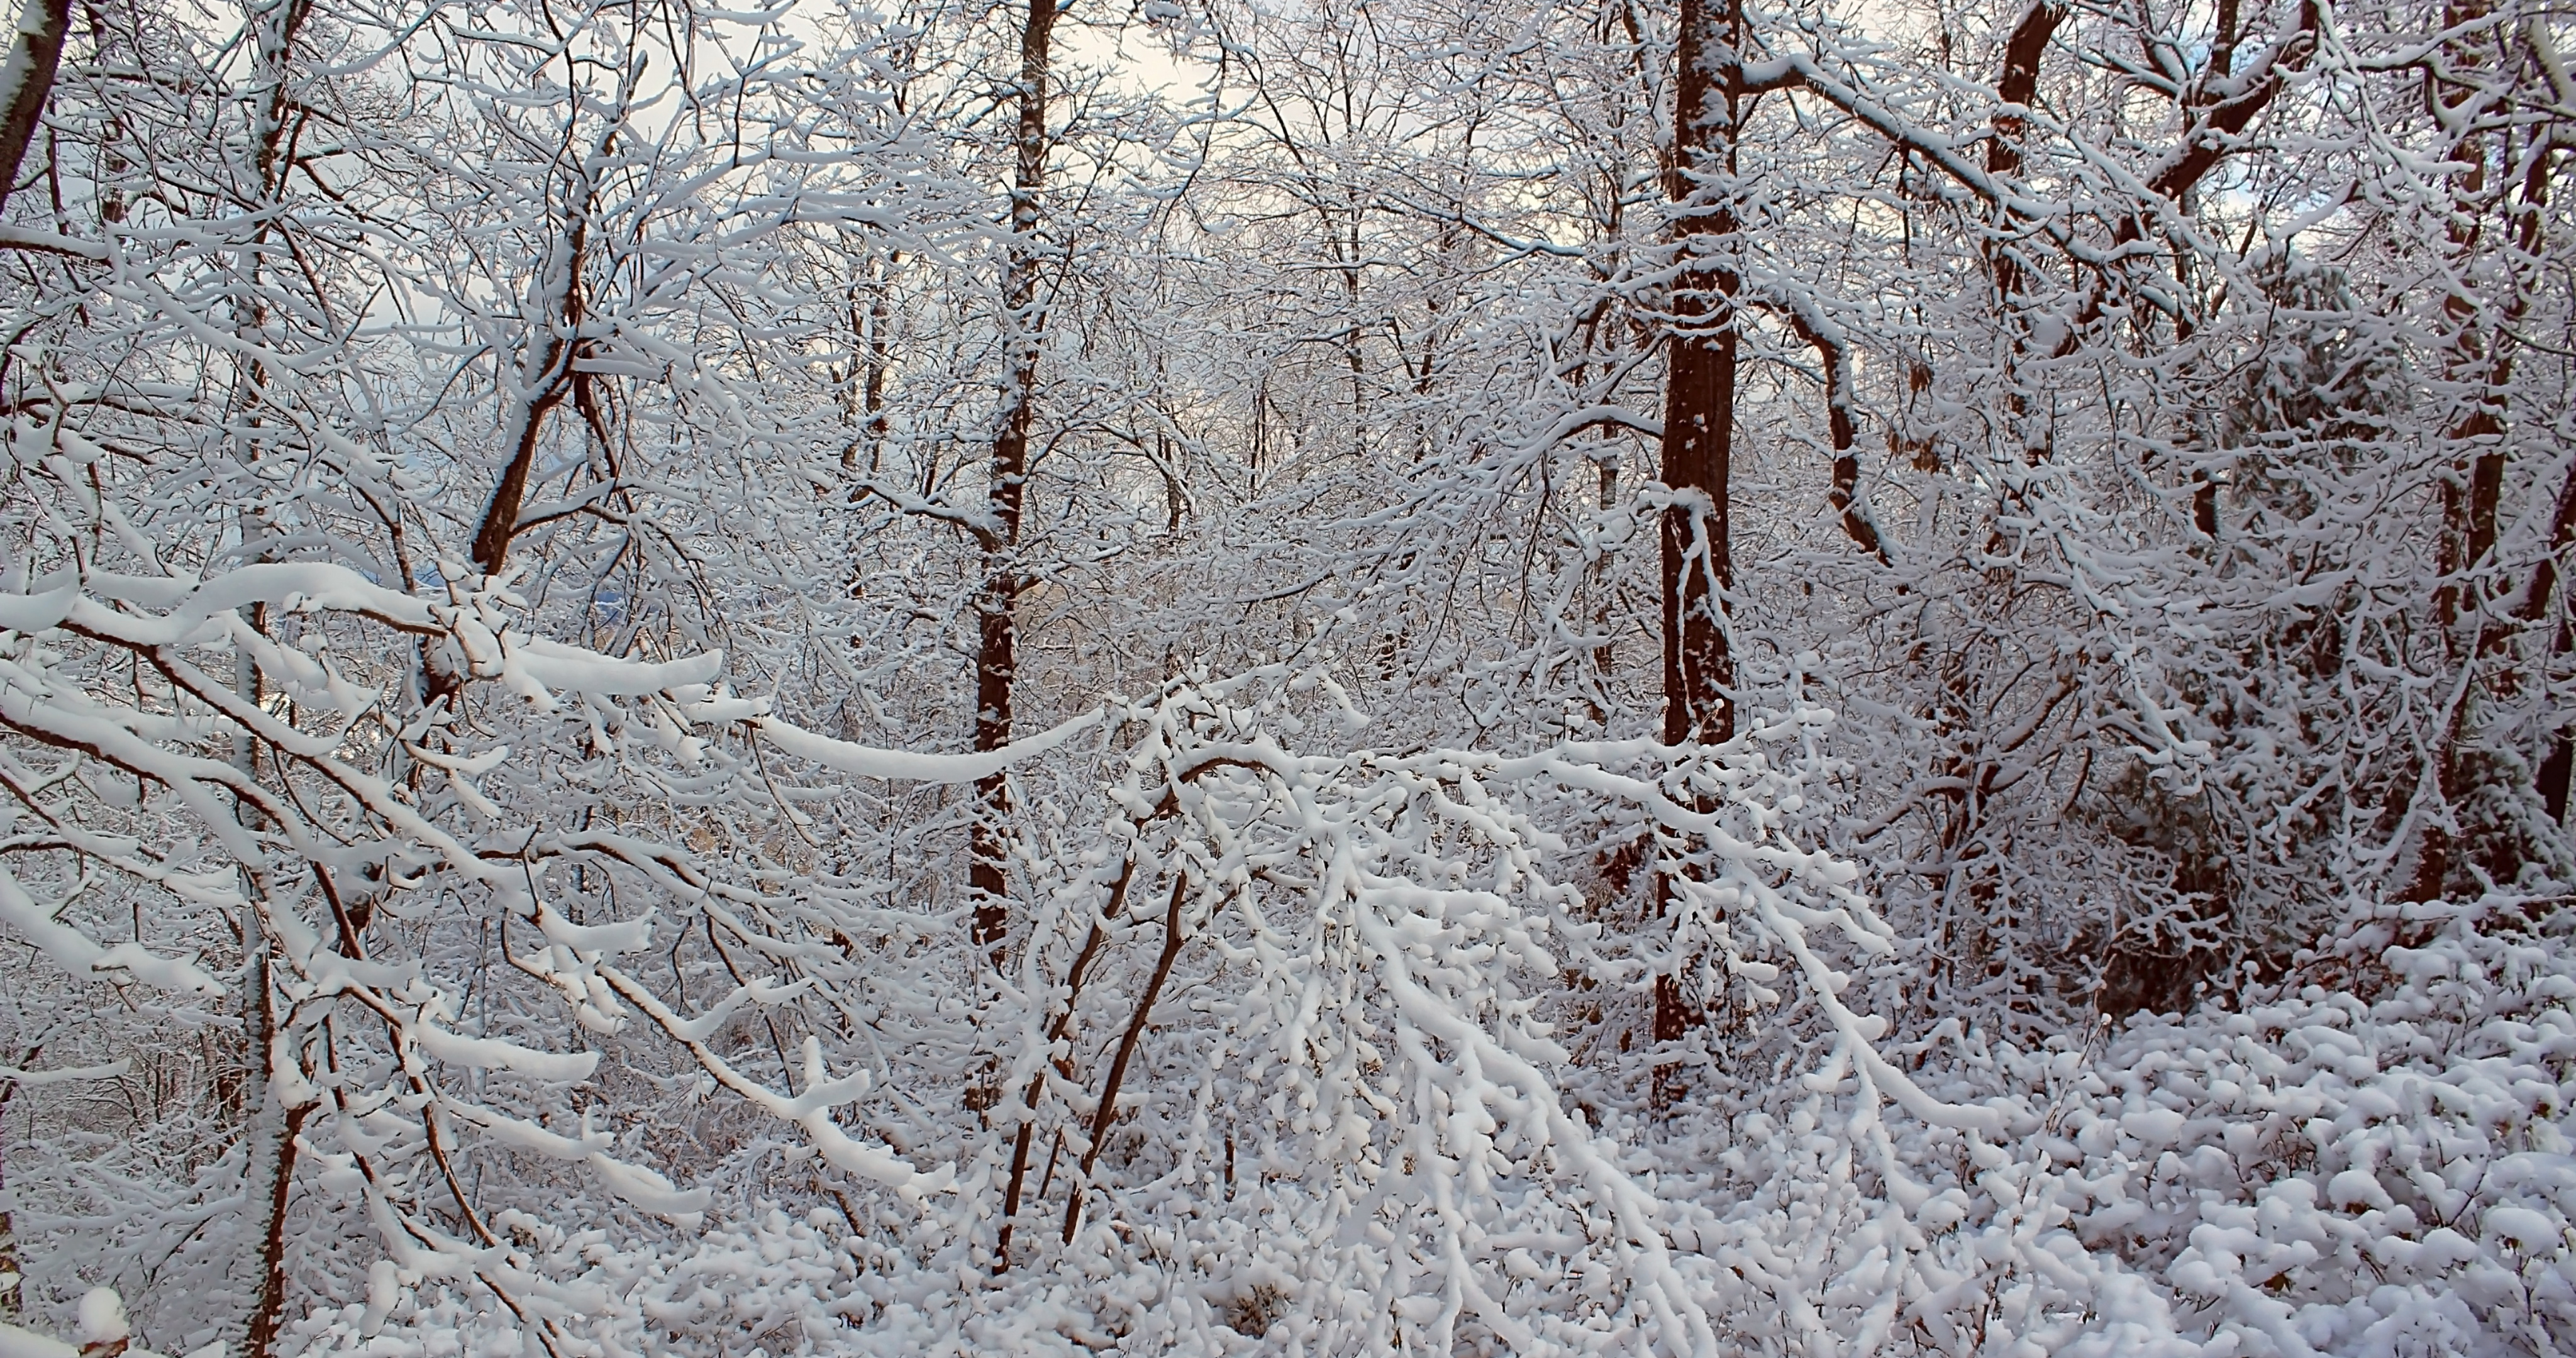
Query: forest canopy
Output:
(1332,677)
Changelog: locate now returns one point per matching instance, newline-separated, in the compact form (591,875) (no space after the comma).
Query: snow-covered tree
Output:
(1348,676)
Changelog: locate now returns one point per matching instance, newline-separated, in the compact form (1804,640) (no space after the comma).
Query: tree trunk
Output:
(12,1280)
(2016,87)
(2469,500)
(996,657)
(1699,401)
(280,1175)
(864,403)
(2558,767)
(35,53)
(1834,356)
(1699,420)
(271,1142)
(543,371)
(2539,598)
(556,309)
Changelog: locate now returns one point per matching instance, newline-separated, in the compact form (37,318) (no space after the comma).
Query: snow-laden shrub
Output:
(1287,1073)
(2312,1172)
(1285,1062)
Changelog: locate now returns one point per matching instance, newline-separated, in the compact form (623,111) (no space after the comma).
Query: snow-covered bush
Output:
(969,676)
(2370,1169)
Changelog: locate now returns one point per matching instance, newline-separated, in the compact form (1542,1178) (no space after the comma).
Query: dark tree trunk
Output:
(544,378)
(35,54)
(1835,358)
(2558,765)
(1699,400)
(11,1300)
(997,642)
(1699,417)
(2016,87)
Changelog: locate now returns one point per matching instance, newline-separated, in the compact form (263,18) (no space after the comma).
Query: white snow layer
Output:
(2314,1174)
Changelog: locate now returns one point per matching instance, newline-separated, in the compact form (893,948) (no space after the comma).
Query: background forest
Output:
(1307,676)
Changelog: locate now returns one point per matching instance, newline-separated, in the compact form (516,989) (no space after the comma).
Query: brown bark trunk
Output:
(997,650)
(557,309)
(271,1311)
(273,1126)
(35,54)
(864,404)
(2532,610)
(872,396)
(1074,976)
(1107,1112)
(271,1143)
(1699,399)
(1699,424)
(542,378)
(2558,766)
(2016,87)
(2019,81)
(2210,125)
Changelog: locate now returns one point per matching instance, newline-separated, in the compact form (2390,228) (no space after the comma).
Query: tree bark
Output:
(557,308)
(1107,1111)
(996,602)
(269,1170)
(12,1280)
(280,1175)
(542,384)
(274,1125)
(1699,420)
(2558,765)
(2016,87)
(27,81)
(2470,499)
(1699,399)
(873,353)
(1074,976)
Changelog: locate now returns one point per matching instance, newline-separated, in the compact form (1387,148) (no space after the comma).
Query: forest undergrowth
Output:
(1320,677)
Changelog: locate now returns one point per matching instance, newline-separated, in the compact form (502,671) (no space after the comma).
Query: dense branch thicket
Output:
(1328,677)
